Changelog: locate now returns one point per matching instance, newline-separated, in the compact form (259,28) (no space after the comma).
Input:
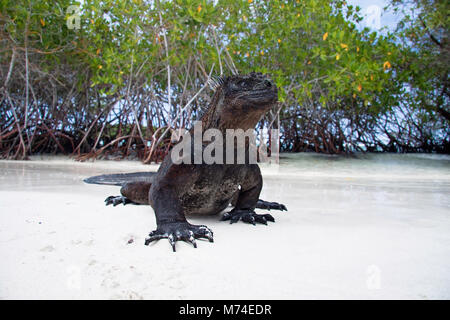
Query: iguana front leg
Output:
(248,200)
(170,220)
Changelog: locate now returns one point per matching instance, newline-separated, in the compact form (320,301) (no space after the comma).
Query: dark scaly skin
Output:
(177,190)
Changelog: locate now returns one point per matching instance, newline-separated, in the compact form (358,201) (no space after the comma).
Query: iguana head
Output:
(240,101)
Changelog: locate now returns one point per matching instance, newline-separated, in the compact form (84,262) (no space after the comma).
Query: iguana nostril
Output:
(268,83)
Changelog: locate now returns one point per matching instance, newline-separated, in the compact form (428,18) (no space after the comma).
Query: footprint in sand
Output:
(127,295)
(48,248)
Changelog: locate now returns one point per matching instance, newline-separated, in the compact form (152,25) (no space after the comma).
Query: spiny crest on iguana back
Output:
(214,83)
(239,101)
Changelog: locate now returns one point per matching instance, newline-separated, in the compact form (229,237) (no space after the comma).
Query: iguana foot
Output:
(174,231)
(248,216)
(115,200)
(261,204)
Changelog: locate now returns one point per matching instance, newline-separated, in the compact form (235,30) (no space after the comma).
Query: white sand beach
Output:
(366,227)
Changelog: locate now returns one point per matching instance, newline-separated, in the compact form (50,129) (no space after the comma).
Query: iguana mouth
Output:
(262,93)
(262,96)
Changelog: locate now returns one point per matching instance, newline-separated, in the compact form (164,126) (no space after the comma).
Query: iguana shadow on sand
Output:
(177,190)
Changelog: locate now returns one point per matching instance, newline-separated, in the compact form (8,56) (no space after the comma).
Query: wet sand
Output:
(372,226)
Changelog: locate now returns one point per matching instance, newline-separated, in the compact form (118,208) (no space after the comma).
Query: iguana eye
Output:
(238,85)
(242,84)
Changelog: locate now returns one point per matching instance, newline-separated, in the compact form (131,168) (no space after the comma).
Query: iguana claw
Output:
(184,231)
(115,200)
(261,204)
(248,216)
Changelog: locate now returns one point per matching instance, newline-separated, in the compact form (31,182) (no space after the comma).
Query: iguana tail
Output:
(119,179)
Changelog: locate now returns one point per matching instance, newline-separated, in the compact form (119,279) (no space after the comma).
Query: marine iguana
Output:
(177,190)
